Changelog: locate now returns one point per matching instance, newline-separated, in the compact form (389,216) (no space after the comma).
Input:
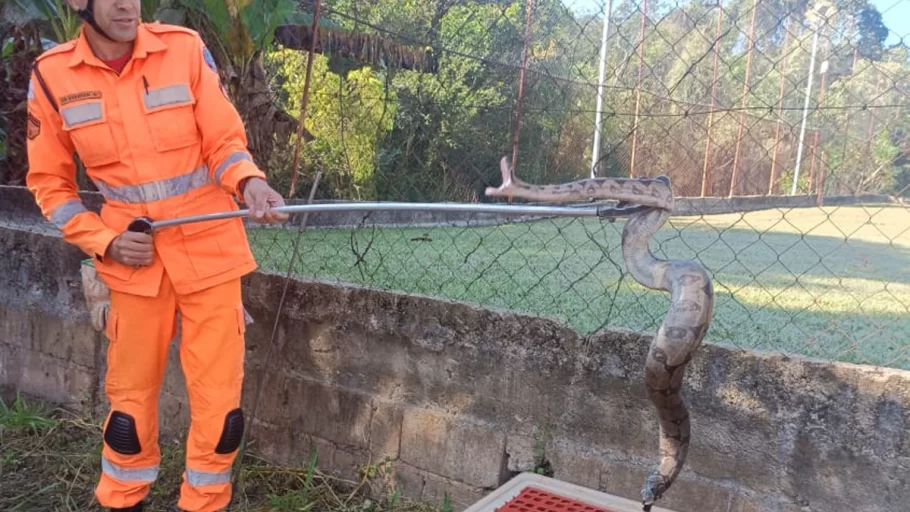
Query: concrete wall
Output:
(459,397)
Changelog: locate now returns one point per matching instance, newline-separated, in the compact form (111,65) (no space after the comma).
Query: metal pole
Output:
(641,60)
(802,129)
(742,114)
(704,170)
(502,209)
(521,82)
(598,123)
(314,34)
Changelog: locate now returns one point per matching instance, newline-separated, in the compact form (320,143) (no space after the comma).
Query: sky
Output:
(895,15)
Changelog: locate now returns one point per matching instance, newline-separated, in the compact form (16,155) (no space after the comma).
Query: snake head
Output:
(655,487)
(506,188)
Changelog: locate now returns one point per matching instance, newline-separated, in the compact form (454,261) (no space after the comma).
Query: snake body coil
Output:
(691,302)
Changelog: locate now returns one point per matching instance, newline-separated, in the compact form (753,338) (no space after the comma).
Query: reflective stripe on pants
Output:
(145,475)
(198,478)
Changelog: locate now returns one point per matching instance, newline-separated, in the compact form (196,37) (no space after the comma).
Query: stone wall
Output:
(459,397)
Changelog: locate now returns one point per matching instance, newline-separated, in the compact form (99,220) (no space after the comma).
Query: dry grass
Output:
(50,459)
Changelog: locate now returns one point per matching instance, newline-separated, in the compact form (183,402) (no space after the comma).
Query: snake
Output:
(691,301)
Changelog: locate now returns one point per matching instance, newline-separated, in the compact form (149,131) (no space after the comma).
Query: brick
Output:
(385,431)
(521,450)
(68,340)
(345,463)
(274,404)
(334,414)
(47,377)
(272,443)
(771,503)
(444,445)
(303,447)
(433,489)
(578,468)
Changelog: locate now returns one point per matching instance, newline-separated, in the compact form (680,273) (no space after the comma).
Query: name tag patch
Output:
(79,96)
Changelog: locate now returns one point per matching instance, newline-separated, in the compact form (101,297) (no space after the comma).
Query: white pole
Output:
(802,129)
(595,153)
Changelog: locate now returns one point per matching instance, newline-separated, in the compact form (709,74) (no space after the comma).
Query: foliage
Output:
(383,132)
(348,116)
(65,23)
(23,415)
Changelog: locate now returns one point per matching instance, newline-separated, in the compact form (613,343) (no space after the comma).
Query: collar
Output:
(146,42)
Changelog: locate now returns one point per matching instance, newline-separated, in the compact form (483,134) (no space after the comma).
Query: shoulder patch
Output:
(34,127)
(209,60)
(57,50)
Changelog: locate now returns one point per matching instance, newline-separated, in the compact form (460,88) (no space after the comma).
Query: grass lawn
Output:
(829,282)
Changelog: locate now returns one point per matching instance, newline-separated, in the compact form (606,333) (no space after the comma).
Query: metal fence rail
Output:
(784,129)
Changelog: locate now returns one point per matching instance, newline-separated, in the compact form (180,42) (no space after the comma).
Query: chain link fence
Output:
(782,126)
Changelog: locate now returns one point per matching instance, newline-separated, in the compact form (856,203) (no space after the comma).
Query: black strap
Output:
(47,91)
(88,14)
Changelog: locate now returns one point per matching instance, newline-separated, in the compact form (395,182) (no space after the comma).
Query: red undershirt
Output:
(119,63)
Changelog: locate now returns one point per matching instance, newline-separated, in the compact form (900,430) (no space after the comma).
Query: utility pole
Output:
(817,15)
(598,123)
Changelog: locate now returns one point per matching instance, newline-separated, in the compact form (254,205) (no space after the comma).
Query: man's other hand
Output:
(134,249)
(261,198)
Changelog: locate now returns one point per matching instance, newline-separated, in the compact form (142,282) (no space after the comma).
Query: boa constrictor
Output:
(691,301)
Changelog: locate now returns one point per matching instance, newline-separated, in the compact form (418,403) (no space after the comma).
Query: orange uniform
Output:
(159,139)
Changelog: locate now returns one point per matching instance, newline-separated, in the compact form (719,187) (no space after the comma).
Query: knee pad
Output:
(121,434)
(231,433)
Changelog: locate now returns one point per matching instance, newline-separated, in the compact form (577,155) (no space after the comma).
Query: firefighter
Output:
(143,107)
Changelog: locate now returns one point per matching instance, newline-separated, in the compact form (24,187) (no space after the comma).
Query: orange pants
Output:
(140,329)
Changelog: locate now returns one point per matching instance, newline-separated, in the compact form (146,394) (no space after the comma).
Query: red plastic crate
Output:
(532,499)
(530,492)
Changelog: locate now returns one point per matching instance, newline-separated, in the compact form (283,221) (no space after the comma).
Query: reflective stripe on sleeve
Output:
(66,211)
(230,160)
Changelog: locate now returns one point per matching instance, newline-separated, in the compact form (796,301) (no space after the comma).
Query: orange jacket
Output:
(160,140)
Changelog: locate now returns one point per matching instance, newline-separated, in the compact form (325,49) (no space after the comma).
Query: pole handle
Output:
(141,225)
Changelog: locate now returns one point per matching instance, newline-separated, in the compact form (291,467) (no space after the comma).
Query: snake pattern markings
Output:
(687,320)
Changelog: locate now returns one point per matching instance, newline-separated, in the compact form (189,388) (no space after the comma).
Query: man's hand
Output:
(261,198)
(134,249)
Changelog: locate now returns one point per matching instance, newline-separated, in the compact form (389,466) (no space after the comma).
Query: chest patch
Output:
(79,96)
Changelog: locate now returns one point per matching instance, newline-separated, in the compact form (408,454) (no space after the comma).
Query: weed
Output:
(22,415)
